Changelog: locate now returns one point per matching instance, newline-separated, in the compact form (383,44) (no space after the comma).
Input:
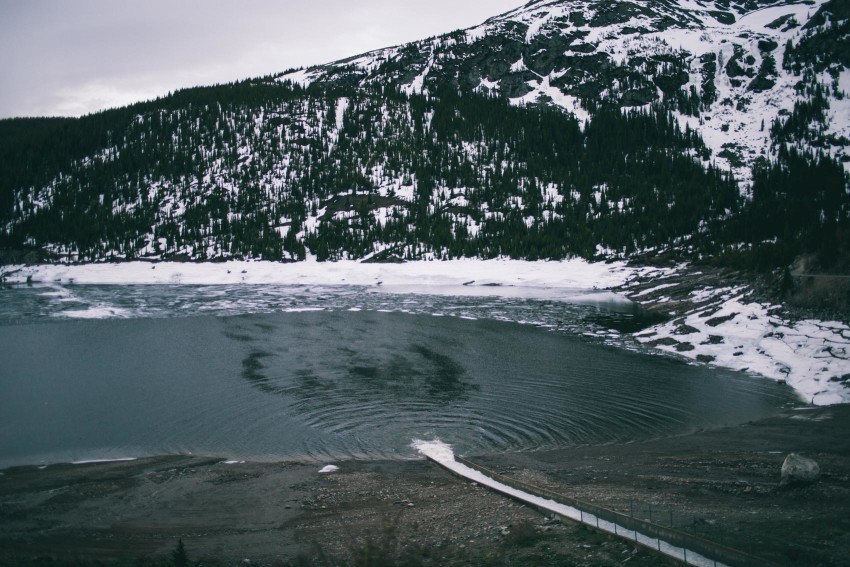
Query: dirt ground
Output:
(720,484)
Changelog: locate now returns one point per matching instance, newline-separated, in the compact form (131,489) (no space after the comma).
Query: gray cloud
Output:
(70,58)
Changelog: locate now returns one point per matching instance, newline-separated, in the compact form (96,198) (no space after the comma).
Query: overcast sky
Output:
(66,58)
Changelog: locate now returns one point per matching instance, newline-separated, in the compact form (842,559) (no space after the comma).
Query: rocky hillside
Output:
(563,128)
(744,74)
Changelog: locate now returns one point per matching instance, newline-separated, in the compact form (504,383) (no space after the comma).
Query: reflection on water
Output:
(374,360)
(342,384)
(339,382)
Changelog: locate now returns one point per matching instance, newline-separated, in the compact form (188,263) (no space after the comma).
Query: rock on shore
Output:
(799,470)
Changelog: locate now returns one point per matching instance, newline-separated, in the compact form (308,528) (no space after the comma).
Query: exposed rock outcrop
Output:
(798,470)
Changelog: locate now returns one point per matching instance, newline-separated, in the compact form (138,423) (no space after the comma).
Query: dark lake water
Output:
(339,383)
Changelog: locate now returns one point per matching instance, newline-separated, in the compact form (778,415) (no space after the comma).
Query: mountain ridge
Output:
(618,142)
(744,71)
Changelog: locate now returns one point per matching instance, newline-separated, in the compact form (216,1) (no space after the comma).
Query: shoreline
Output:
(722,483)
(715,317)
(710,316)
(574,274)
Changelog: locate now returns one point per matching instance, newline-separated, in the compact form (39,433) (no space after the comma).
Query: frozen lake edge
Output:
(725,325)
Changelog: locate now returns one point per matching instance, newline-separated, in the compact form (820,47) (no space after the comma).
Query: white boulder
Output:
(798,469)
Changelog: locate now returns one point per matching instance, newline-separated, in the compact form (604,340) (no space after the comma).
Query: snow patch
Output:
(95,313)
(301,77)
(93,461)
(436,450)
(733,332)
(341,107)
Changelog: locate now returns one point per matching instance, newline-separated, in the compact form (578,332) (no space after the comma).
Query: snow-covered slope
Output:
(726,69)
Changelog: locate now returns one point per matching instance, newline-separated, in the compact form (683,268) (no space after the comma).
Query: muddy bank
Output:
(722,485)
(274,513)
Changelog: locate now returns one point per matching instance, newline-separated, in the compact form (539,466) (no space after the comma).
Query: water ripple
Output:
(362,377)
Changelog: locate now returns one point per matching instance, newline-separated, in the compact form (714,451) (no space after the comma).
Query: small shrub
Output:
(524,534)
(179,557)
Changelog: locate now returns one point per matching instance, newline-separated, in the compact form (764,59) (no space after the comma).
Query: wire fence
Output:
(664,530)
(684,522)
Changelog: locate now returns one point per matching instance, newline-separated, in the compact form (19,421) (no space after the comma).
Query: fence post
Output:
(710,532)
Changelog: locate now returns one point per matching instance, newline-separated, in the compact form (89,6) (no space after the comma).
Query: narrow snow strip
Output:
(93,461)
(572,274)
(535,25)
(95,313)
(341,107)
(302,77)
(443,454)
(654,289)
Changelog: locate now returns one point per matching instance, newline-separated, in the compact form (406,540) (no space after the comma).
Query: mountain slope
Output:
(461,146)
(373,173)
(725,69)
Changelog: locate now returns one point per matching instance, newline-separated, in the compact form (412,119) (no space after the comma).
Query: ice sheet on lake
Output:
(574,274)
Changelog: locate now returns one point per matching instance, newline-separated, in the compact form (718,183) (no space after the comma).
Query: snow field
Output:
(572,274)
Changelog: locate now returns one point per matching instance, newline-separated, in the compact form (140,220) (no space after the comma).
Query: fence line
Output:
(648,534)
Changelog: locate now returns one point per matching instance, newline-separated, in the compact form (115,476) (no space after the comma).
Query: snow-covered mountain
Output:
(562,128)
(727,69)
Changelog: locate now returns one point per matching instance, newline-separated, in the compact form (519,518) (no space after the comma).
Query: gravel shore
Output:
(722,484)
